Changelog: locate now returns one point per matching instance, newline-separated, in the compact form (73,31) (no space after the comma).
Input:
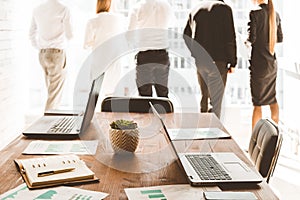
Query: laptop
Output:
(211,168)
(67,126)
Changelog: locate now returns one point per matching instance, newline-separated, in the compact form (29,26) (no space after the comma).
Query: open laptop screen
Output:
(165,131)
(92,101)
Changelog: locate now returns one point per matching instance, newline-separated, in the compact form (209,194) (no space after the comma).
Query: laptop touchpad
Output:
(234,167)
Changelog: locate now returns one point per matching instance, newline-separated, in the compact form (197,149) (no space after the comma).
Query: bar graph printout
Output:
(167,192)
(57,193)
(197,133)
(154,194)
(79,147)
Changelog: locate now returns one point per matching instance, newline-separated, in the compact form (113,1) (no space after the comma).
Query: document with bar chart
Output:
(166,192)
(197,133)
(57,193)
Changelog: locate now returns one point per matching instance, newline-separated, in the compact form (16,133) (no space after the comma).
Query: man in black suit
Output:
(210,26)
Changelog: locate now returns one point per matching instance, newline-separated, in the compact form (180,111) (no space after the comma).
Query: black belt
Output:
(51,50)
(153,50)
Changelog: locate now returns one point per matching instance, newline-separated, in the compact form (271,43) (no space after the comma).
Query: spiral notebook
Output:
(54,170)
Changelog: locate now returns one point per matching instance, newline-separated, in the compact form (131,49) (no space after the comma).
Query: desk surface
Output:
(152,164)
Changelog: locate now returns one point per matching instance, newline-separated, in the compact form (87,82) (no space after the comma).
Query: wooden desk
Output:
(152,164)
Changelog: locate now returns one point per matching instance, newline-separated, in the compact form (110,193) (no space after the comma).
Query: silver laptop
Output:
(212,168)
(66,126)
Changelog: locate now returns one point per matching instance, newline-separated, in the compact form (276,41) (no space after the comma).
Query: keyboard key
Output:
(64,125)
(207,167)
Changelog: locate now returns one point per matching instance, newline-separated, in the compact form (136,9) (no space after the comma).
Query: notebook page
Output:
(78,169)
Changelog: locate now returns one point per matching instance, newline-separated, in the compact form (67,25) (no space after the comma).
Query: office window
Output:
(84,10)
(238,87)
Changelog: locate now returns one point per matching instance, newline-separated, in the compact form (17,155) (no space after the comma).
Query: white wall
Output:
(12,96)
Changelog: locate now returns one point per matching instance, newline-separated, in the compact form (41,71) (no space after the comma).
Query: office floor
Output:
(285,181)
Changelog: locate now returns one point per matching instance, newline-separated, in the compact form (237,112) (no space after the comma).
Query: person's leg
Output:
(274,112)
(111,80)
(143,80)
(224,74)
(160,77)
(53,62)
(256,116)
(216,85)
(204,92)
(161,68)
(144,73)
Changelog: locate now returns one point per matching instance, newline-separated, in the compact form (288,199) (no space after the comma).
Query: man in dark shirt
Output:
(210,26)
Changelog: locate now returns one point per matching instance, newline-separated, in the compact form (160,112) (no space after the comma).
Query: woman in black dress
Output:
(264,32)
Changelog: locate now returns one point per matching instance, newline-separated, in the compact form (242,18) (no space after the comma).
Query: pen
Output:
(52,172)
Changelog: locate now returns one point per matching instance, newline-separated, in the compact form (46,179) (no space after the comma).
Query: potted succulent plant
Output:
(124,136)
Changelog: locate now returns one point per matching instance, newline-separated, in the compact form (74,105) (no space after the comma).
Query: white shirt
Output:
(152,14)
(103,27)
(50,26)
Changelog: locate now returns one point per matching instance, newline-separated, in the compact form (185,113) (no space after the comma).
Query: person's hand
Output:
(247,44)
(231,70)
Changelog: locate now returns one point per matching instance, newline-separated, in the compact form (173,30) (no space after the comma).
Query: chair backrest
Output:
(264,147)
(136,104)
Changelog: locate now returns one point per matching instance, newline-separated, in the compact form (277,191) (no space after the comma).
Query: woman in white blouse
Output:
(99,29)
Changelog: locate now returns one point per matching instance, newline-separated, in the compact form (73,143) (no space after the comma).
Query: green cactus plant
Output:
(122,124)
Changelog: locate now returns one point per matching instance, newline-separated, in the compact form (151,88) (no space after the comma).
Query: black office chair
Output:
(136,104)
(264,147)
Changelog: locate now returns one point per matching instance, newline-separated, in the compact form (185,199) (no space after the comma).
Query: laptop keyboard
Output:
(64,125)
(207,167)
